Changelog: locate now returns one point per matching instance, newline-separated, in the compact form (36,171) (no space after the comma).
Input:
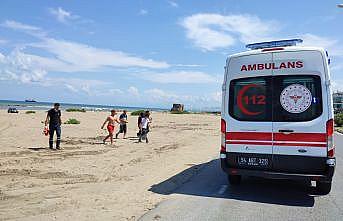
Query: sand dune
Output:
(91,181)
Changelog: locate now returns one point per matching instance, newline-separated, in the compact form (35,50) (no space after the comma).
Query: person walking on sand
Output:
(123,124)
(150,118)
(54,119)
(141,115)
(112,119)
(144,126)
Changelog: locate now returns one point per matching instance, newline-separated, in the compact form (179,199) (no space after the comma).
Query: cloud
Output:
(19,26)
(116,91)
(75,85)
(214,31)
(29,29)
(3,41)
(62,15)
(189,65)
(216,96)
(143,12)
(18,67)
(335,50)
(22,69)
(173,4)
(83,57)
(71,88)
(158,95)
(337,85)
(208,100)
(337,67)
(133,91)
(332,45)
(179,77)
(67,56)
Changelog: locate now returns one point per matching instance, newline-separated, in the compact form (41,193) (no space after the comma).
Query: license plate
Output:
(253,161)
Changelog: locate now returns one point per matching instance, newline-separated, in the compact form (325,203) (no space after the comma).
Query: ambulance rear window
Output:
(282,98)
(250,99)
(296,98)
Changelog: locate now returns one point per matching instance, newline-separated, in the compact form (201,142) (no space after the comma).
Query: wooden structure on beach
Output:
(178,107)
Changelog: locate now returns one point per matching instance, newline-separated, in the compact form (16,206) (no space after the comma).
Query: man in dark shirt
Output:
(123,122)
(54,119)
(141,115)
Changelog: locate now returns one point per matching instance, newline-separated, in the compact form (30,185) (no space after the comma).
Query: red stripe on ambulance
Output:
(280,139)
(249,136)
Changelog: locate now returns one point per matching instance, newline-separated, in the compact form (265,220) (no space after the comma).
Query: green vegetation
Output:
(75,110)
(72,121)
(30,112)
(213,112)
(137,112)
(339,122)
(339,119)
(179,112)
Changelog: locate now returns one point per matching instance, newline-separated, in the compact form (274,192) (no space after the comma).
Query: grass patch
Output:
(137,112)
(180,112)
(213,112)
(30,112)
(72,121)
(75,110)
(338,118)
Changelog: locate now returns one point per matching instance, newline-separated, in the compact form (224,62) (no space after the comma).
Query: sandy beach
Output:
(91,181)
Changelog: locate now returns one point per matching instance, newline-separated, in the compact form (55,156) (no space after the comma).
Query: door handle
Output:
(286,131)
(302,151)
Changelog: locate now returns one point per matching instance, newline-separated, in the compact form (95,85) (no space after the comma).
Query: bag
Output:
(46,131)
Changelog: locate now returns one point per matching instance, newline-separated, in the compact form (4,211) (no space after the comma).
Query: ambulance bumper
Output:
(269,174)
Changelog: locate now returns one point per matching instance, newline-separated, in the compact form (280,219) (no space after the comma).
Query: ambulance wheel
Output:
(323,187)
(234,179)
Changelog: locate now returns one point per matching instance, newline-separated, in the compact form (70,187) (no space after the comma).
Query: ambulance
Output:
(277,114)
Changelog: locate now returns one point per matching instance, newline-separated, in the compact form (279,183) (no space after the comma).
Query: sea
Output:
(24,105)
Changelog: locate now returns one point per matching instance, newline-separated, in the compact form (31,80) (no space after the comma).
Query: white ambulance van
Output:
(277,114)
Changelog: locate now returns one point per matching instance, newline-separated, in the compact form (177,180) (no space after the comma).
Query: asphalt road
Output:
(208,196)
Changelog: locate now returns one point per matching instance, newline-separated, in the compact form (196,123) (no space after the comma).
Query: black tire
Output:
(323,187)
(234,179)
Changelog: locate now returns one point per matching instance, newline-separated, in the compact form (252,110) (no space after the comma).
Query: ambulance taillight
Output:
(223,136)
(329,135)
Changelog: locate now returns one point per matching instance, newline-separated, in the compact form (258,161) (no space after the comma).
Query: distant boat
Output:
(30,100)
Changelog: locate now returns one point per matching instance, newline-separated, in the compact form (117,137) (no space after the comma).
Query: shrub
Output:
(137,112)
(339,119)
(75,110)
(72,121)
(213,112)
(179,112)
(30,112)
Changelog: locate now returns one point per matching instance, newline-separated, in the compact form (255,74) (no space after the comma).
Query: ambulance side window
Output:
(296,98)
(250,99)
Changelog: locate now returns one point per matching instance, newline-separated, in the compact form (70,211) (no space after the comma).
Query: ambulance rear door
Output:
(300,112)
(249,114)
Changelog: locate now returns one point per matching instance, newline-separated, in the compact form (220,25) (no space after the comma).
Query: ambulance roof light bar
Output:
(273,44)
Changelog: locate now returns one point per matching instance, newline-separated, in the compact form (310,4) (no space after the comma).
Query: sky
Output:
(147,53)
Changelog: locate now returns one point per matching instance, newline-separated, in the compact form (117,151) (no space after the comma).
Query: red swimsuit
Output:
(110,128)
